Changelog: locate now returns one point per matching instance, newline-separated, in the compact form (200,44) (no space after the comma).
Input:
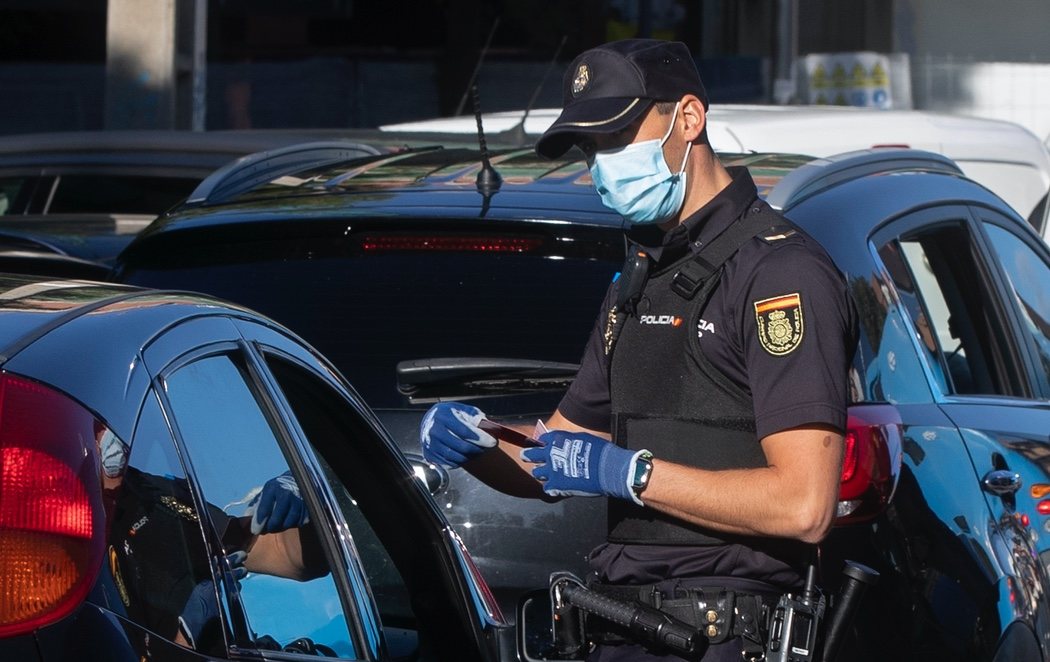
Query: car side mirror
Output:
(871,463)
(535,639)
(433,477)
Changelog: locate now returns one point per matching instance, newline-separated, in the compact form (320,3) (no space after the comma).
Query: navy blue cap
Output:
(608,87)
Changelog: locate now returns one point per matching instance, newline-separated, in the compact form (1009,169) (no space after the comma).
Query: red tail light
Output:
(51,515)
(849,458)
(389,243)
(871,464)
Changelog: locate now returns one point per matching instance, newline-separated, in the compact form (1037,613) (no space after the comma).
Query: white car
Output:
(1005,157)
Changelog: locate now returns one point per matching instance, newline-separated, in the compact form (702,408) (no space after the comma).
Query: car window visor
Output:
(428,380)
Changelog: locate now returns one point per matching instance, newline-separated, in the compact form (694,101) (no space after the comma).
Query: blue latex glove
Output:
(201,606)
(278,506)
(581,464)
(449,434)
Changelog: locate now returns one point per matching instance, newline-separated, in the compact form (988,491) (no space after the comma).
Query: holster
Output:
(718,612)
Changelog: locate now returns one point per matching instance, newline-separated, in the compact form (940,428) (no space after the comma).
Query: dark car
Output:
(136,428)
(425,277)
(84,194)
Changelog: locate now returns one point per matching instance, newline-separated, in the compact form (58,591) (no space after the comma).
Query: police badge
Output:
(779,323)
(580,80)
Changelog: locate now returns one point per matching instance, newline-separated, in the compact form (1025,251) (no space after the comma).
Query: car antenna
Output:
(516,133)
(477,68)
(488,181)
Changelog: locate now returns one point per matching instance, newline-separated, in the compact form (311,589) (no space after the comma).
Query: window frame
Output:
(1016,360)
(355,592)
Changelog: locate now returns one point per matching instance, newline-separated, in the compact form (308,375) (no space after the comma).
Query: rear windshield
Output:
(366,311)
(118,194)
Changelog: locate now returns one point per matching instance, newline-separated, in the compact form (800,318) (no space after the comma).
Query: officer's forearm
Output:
(793,497)
(294,553)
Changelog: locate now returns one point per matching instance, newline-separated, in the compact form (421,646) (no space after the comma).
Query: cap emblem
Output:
(579,82)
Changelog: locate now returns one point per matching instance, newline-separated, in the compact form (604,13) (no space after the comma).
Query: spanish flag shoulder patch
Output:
(779,322)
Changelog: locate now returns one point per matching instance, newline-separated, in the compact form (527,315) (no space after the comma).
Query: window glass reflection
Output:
(287,591)
(157,557)
(1029,279)
(331,426)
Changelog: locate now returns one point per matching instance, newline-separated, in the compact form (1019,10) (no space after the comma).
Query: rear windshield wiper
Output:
(443,378)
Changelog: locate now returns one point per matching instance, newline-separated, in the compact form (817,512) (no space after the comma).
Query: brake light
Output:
(849,457)
(464,243)
(871,463)
(51,515)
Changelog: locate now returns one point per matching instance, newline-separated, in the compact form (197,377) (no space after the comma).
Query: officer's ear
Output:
(695,118)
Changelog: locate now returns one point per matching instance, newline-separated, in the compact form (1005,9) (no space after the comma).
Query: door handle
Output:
(1001,482)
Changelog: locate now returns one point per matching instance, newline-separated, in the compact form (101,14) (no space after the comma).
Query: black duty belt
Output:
(718,612)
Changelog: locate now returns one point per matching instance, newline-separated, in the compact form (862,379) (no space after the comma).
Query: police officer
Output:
(717,367)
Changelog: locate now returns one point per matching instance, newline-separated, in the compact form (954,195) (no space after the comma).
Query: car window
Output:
(157,555)
(953,313)
(124,194)
(241,468)
(15,193)
(323,414)
(906,348)
(1029,281)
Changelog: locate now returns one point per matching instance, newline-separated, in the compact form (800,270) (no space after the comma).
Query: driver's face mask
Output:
(635,182)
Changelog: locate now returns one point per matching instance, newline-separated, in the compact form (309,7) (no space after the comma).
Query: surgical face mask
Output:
(114,454)
(635,182)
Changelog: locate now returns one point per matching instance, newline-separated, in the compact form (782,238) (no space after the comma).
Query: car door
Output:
(961,325)
(253,406)
(428,598)
(233,446)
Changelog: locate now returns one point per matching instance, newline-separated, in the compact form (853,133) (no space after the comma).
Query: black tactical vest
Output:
(667,397)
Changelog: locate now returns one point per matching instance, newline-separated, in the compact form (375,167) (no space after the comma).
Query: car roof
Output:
(33,305)
(87,337)
(440,183)
(431,182)
(198,151)
(1003,156)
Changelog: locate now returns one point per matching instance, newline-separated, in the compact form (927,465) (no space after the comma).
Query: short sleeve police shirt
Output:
(780,325)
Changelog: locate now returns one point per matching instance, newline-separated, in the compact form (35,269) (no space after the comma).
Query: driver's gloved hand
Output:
(278,506)
(449,434)
(581,464)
